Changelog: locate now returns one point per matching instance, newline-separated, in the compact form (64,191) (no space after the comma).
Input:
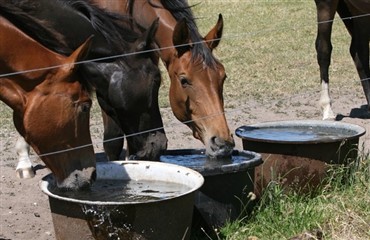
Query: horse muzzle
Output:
(219,148)
(78,180)
(154,146)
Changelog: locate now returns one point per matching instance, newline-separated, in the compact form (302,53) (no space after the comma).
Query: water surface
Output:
(195,161)
(127,191)
(295,134)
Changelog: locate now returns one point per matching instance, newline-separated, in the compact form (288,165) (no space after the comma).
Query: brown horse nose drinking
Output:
(51,106)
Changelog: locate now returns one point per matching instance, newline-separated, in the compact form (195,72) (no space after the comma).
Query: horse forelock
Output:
(200,52)
(181,10)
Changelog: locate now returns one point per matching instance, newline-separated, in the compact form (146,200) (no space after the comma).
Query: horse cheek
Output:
(42,122)
(115,93)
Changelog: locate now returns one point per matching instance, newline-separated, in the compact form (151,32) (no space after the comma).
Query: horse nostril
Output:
(220,144)
(217,141)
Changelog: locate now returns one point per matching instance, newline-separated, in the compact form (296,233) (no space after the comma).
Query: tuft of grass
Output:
(339,209)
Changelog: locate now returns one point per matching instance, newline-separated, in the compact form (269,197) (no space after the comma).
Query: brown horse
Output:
(356,17)
(197,77)
(126,87)
(51,106)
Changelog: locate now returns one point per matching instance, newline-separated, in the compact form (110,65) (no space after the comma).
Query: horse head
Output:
(196,90)
(130,97)
(50,106)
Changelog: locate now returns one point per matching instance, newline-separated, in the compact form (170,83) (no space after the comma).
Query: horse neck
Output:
(72,25)
(118,6)
(358,7)
(18,45)
(165,30)
(163,38)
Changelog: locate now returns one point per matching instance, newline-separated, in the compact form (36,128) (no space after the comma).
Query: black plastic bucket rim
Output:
(253,159)
(357,130)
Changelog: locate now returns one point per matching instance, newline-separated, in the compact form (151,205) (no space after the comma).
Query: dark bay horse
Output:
(126,87)
(197,77)
(356,17)
(51,107)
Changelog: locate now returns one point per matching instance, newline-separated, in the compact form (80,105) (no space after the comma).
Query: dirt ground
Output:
(24,209)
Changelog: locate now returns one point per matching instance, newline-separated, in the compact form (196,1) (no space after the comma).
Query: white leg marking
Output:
(325,102)
(24,167)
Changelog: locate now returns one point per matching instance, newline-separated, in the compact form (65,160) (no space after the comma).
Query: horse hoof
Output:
(25,173)
(329,116)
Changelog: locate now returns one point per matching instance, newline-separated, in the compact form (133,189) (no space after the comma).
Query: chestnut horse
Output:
(126,87)
(197,77)
(51,106)
(356,17)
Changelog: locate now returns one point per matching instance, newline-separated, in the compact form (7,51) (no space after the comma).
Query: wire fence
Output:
(229,112)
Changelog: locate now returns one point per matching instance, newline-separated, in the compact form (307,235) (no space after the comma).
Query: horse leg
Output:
(359,49)
(360,53)
(24,167)
(112,148)
(325,16)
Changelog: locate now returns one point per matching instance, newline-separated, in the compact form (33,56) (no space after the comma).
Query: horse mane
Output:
(115,28)
(119,30)
(35,28)
(181,10)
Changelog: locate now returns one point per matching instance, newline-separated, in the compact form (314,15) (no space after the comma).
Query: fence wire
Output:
(229,37)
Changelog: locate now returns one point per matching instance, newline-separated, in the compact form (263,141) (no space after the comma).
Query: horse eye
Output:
(184,81)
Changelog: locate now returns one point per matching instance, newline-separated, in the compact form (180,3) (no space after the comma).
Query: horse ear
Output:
(145,42)
(13,95)
(214,36)
(181,37)
(78,55)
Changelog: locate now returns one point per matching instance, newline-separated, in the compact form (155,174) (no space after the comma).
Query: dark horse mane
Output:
(181,10)
(114,27)
(38,30)
(35,28)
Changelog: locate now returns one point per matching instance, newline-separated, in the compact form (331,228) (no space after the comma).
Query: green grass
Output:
(268,48)
(339,209)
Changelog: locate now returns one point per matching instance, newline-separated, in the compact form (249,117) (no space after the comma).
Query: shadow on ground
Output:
(361,113)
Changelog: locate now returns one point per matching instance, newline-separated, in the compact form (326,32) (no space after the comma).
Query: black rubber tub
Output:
(227,183)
